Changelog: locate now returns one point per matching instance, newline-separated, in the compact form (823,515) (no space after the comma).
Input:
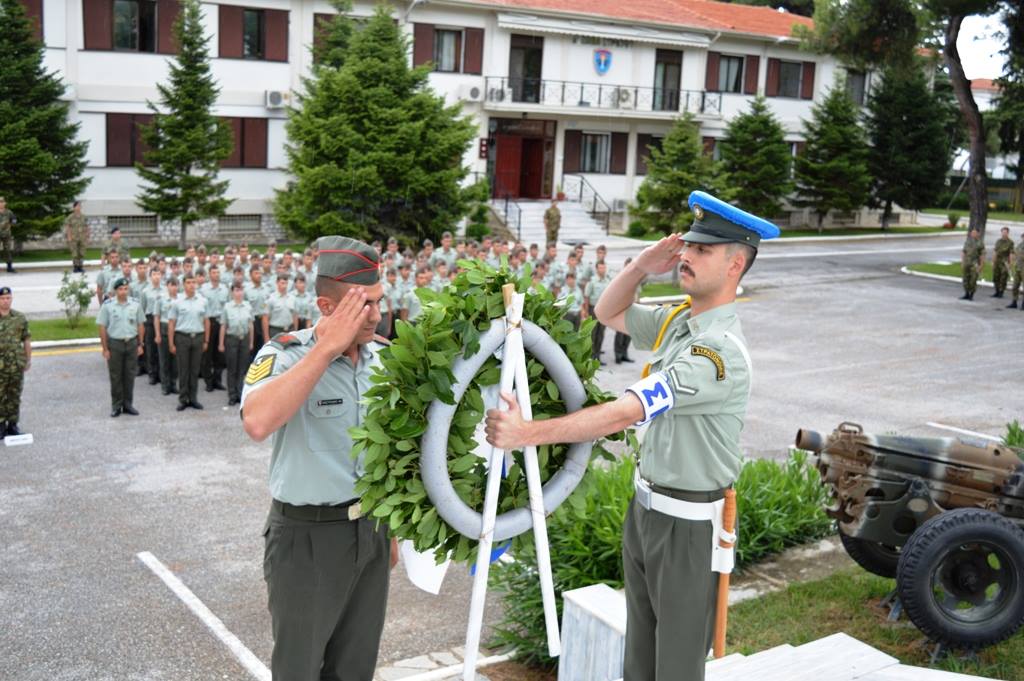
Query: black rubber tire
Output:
(876,558)
(924,556)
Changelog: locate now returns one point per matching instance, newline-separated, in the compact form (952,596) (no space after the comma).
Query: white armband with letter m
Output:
(655,394)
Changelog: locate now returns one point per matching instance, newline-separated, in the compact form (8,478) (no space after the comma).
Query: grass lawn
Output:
(58,329)
(659,289)
(952,269)
(849,602)
(993,214)
(142,252)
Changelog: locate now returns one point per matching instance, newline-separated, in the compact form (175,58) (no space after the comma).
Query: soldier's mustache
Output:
(686,269)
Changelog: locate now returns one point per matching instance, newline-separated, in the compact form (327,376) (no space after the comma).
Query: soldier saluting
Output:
(326,566)
(695,398)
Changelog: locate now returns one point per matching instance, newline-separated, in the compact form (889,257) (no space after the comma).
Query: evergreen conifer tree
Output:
(335,37)
(1009,113)
(374,152)
(832,172)
(41,160)
(186,142)
(757,158)
(909,155)
(674,170)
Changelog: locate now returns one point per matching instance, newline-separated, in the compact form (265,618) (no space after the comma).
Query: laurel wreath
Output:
(416,369)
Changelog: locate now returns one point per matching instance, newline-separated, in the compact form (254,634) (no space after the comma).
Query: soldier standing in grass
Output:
(7,222)
(971,263)
(76,231)
(1017,265)
(15,360)
(1001,261)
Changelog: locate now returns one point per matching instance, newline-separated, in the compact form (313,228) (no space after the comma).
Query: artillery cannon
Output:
(944,516)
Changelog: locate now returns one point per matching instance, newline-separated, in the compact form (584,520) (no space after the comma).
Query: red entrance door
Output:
(508,165)
(533,169)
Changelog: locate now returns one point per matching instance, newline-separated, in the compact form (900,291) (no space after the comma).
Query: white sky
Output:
(979,48)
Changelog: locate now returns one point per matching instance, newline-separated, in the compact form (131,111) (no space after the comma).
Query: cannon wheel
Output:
(877,558)
(961,578)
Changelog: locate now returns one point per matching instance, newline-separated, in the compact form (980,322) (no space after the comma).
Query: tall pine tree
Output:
(335,36)
(909,155)
(757,158)
(374,152)
(832,172)
(41,160)
(674,170)
(1009,113)
(186,142)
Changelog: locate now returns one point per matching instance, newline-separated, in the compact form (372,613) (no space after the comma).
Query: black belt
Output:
(124,340)
(186,333)
(316,514)
(689,495)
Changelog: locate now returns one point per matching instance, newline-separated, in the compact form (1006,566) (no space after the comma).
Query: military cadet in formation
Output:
(1017,266)
(591,294)
(446,253)
(572,296)
(256,294)
(168,362)
(552,222)
(623,339)
(76,231)
(695,399)
(15,360)
(279,310)
(217,295)
(388,312)
(121,323)
(188,334)
(411,305)
(303,304)
(235,340)
(109,271)
(150,307)
(972,261)
(1001,261)
(117,243)
(7,222)
(304,389)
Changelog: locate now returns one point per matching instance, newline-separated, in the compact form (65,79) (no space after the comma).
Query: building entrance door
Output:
(532,175)
(521,157)
(508,166)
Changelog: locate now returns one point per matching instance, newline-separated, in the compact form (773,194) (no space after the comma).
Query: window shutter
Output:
(800,146)
(320,27)
(620,147)
(230,30)
(275,47)
(807,82)
(119,139)
(573,145)
(711,80)
(771,87)
(474,51)
(98,20)
(235,159)
(752,65)
(422,44)
(642,153)
(139,148)
(709,146)
(34,10)
(166,14)
(254,134)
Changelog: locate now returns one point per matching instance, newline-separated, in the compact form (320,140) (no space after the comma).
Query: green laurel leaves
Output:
(416,369)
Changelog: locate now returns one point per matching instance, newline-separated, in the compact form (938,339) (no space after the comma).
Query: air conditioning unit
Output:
(277,99)
(619,205)
(471,92)
(624,98)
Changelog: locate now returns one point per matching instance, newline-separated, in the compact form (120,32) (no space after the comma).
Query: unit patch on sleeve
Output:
(260,369)
(702,351)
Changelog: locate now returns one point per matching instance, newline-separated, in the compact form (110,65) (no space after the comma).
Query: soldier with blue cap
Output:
(694,395)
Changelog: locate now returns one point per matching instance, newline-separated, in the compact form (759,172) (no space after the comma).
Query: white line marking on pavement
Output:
(831,254)
(963,432)
(252,663)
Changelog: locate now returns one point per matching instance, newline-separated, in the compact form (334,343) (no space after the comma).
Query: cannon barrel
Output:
(810,440)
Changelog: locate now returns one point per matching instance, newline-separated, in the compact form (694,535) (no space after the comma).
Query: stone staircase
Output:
(577,225)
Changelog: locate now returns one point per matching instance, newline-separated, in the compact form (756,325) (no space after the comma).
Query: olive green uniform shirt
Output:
(411,302)
(310,461)
(576,304)
(595,287)
(279,310)
(151,299)
(13,334)
(303,304)
(448,257)
(974,251)
(1003,249)
(235,318)
(6,222)
(695,445)
(216,298)
(77,228)
(188,313)
(1018,257)
(121,319)
(256,297)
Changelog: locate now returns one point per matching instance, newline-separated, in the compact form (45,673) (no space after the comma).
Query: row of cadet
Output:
(1007,262)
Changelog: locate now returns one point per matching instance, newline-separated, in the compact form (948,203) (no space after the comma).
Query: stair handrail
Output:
(598,206)
(508,210)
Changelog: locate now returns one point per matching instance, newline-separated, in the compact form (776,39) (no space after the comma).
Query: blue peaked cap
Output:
(716,222)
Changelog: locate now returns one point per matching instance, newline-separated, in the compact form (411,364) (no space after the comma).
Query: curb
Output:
(71,342)
(863,237)
(53,264)
(942,277)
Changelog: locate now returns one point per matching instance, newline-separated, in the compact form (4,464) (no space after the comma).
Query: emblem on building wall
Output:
(602,61)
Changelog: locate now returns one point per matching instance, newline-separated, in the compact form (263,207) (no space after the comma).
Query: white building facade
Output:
(568,94)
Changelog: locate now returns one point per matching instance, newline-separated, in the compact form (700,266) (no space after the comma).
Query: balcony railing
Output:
(566,93)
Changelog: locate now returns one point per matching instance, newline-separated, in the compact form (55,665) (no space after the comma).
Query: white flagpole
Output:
(513,316)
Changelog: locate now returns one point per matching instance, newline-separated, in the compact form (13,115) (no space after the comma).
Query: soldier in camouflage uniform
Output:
(76,230)
(118,244)
(971,263)
(552,222)
(1017,265)
(15,360)
(7,222)
(1001,261)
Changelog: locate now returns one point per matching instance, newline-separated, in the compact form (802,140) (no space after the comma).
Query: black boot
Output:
(12,428)
(1013,305)
(3,429)
(10,268)
(970,296)
(966,296)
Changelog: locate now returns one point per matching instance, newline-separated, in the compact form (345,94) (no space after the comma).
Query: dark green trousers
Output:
(213,358)
(597,340)
(236,356)
(670,596)
(12,380)
(152,350)
(188,348)
(327,587)
(168,362)
(122,366)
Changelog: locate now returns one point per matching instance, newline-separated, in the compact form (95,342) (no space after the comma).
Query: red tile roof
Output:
(984,84)
(701,14)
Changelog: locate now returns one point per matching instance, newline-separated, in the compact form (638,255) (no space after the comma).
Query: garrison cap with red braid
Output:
(348,261)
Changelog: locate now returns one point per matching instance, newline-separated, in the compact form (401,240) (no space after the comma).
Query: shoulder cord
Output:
(685,305)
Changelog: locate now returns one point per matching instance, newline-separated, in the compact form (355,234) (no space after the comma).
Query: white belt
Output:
(722,560)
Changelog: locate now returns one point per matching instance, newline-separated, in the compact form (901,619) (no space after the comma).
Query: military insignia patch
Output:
(698,212)
(260,369)
(701,351)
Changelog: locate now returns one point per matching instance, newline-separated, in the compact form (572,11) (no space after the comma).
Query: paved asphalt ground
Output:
(835,331)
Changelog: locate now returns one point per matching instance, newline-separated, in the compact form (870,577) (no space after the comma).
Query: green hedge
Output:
(780,504)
